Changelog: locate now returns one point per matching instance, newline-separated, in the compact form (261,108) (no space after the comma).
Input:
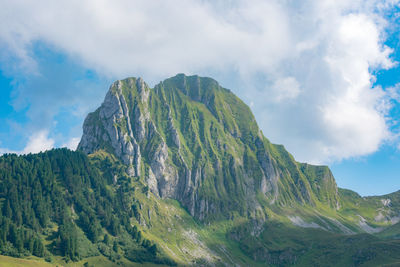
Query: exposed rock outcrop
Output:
(196,142)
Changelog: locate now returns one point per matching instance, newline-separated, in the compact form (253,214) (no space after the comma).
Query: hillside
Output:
(181,174)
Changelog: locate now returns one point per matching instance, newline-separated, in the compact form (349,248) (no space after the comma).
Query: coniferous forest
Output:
(59,203)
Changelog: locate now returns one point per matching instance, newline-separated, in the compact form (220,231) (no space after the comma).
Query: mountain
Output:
(196,142)
(181,174)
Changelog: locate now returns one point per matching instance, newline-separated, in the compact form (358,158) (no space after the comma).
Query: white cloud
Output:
(285,89)
(394,92)
(5,151)
(313,57)
(125,37)
(37,142)
(72,143)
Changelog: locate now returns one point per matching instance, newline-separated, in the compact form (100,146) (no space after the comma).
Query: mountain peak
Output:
(196,142)
(194,86)
(131,85)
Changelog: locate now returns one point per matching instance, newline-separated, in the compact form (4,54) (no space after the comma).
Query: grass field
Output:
(99,261)
(6,261)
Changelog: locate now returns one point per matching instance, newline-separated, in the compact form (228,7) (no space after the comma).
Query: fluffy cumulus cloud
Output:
(285,88)
(304,65)
(37,142)
(72,143)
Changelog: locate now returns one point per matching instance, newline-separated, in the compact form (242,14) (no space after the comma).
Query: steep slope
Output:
(196,142)
(392,232)
(281,244)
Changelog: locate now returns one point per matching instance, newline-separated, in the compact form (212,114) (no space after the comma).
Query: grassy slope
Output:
(6,261)
(284,244)
(392,232)
(279,243)
(372,209)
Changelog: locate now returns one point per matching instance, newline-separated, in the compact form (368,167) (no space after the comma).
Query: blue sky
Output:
(321,76)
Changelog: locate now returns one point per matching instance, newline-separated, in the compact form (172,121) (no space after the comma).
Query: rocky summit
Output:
(198,143)
(181,175)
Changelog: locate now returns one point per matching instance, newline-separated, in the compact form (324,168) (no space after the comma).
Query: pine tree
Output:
(38,248)
(106,239)
(7,210)
(31,245)
(153,249)
(115,246)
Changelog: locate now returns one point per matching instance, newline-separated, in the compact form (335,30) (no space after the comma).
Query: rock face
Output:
(111,126)
(196,142)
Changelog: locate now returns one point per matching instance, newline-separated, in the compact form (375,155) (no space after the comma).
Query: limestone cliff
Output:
(196,142)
